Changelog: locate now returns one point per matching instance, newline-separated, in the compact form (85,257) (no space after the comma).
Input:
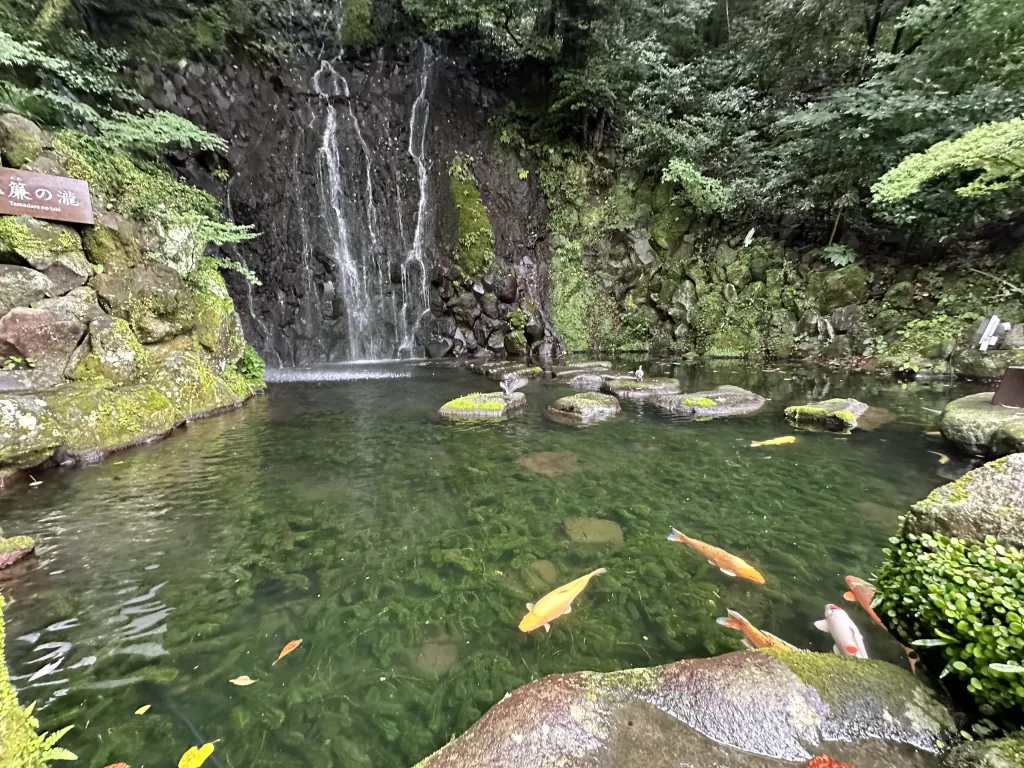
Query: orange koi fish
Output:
(728,564)
(824,761)
(862,593)
(752,636)
(555,603)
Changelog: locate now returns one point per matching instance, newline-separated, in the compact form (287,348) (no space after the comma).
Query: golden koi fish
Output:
(728,564)
(787,440)
(862,593)
(555,603)
(943,458)
(752,636)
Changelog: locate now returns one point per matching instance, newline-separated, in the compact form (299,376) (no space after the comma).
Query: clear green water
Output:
(344,513)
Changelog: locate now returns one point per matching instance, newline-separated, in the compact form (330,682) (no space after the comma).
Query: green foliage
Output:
(251,366)
(355,24)
(20,745)
(963,599)
(474,255)
(149,134)
(838,255)
(705,194)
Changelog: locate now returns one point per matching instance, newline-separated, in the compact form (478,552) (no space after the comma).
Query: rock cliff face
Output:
(102,345)
(344,167)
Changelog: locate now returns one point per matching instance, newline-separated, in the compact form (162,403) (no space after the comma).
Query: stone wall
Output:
(102,344)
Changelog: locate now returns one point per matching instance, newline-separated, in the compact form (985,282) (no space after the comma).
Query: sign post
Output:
(23,193)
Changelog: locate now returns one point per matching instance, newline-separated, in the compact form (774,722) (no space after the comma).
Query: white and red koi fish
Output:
(848,640)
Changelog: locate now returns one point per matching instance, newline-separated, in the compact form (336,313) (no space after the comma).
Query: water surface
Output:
(398,547)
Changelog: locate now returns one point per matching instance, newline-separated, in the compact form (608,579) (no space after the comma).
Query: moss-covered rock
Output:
(1007,752)
(474,253)
(179,371)
(151,297)
(972,363)
(483,405)
(95,420)
(28,432)
(13,549)
(218,328)
(585,407)
(844,286)
(669,225)
(115,250)
(744,710)
(900,296)
(637,390)
(21,140)
(705,320)
(976,426)
(21,287)
(716,403)
(51,248)
(735,341)
(115,353)
(837,414)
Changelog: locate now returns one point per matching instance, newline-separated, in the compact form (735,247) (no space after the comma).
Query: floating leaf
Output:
(930,642)
(1009,669)
(242,680)
(143,710)
(195,756)
(288,649)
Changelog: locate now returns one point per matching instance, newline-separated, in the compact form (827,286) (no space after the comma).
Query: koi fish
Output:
(787,440)
(848,640)
(728,564)
(943,458)
(933,433)
(554,604)
(752,636)
(862,593)
(825,761)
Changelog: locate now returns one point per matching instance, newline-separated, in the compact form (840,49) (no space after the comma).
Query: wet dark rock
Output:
(1013,338)
(496,341)
(640,243)
(21,287)
(586,381)
(717,403)
(976,426)
(743,710)
(534,330)
(848,318)
(1007,752)
(836,414)
(507,289)
(439,346)
(585,407)
(465,309)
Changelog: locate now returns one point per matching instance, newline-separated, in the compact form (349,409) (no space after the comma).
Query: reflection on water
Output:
(402,550)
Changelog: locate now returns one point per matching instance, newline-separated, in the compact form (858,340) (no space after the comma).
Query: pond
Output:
(402,550)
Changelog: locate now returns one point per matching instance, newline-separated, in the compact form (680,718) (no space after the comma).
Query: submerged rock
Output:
(837,413)
(551,463)
(592,530)
(717,403)
(633,389)
(483,405)
(976,426)
(744,710)
(435,657)
(540,574)
(585,407)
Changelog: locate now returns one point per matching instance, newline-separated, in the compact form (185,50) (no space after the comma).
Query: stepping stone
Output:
(483,405)
(637,390)
(718,403)
(585,407)
(586,381)
(976,426)
(836,414)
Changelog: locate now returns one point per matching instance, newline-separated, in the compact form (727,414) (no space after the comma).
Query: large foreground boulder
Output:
(836,414)
(976,426)
(716,403)
(954,578)
(743,710)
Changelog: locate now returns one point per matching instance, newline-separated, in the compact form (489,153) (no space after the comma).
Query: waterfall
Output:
(383,284)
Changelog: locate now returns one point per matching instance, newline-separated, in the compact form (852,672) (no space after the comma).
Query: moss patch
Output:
(474,253)
(485,405)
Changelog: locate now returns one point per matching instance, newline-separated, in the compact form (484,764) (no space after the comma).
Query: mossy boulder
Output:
(13,549)
(95,420)
(179,371)
(21,287)
(51,248)
(735,341)
(21,140)
(637,390)
(152,297)
(720,402)
(1007,752)
(976,426)
(745,710)
(113,249)
(115,353)
(844,286)
(28,431)
(900,296)
(972,363)
(474,252)
(482,405)
(706,319)
(669,225)
(585,407)
(218,328)
(954,578)
(835,414)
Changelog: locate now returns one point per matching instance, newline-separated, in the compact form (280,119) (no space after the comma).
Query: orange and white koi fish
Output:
(862,593)
(752,636)
(728,564)
(848,640)
(555,604)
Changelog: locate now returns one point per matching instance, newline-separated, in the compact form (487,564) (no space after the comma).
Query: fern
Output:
(150,133)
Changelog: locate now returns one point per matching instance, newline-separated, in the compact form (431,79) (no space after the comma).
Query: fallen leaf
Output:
(288,649)
(143,710)
(195,756)
(243,680)
(118,765)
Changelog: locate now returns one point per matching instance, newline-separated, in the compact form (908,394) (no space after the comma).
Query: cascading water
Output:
(382,284)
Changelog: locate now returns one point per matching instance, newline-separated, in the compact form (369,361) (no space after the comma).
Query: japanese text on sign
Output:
(23,193)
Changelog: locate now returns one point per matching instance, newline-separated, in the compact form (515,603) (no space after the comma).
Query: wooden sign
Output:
(23,193)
